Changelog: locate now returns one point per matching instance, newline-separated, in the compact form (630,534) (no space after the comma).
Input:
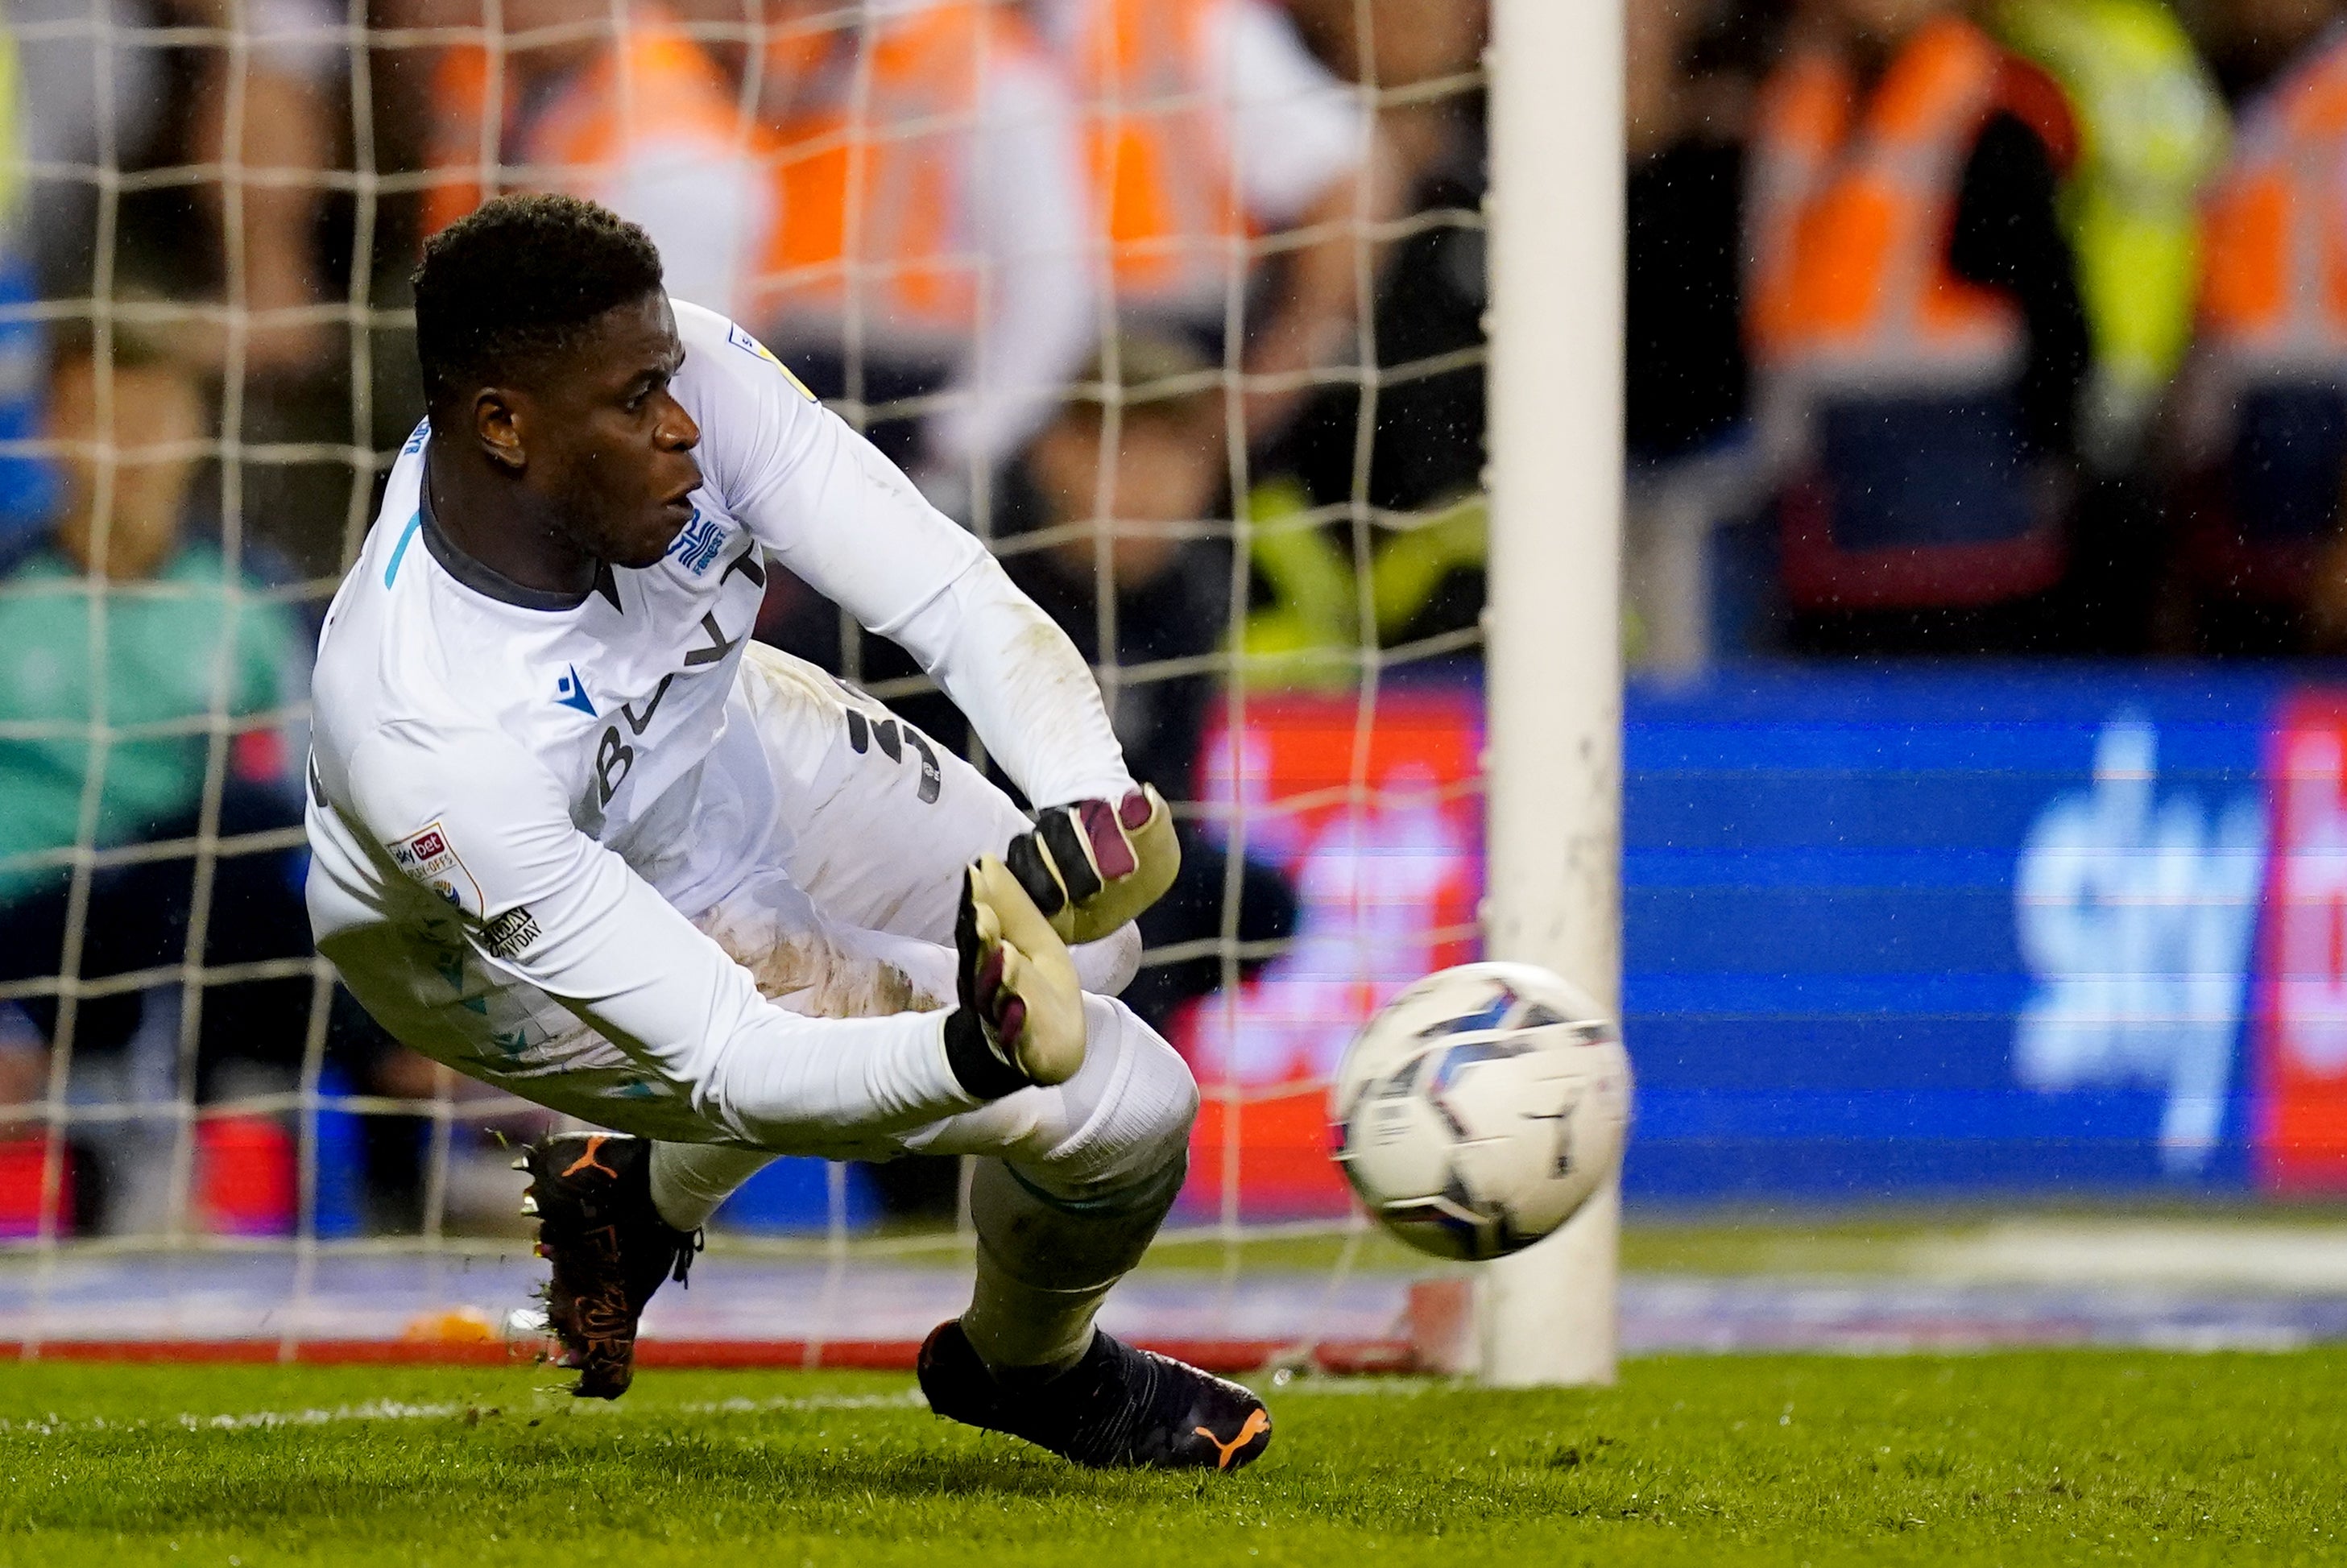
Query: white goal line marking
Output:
(397,1410)
(448,1409)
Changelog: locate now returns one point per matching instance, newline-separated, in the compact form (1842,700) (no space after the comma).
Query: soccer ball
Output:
(1478,1110)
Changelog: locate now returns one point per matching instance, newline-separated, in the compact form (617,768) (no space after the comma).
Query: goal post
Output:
(1552,626)
(1300,627)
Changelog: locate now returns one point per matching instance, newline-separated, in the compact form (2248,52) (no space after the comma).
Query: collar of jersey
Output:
(491,583)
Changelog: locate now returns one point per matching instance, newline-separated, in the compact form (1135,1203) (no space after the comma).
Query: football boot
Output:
(1118,1407)
(609,1248)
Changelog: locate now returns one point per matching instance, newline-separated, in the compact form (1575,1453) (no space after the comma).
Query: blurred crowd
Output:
(2011,327)
(1106,276)
(2002,326)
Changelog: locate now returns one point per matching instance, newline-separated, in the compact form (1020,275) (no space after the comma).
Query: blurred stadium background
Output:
(1984,869)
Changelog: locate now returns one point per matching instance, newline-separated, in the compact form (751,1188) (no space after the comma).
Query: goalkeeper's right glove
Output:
(1092,867)
(1021,1018)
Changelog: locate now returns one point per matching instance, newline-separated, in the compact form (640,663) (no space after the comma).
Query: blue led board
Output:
(1946,929)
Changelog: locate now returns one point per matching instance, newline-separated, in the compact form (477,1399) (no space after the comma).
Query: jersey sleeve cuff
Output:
(981,1071)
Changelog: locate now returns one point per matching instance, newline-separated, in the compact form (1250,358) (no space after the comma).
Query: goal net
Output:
(1176,303)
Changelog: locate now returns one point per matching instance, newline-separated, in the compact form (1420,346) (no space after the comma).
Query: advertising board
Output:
(1908,933)
(1375,814)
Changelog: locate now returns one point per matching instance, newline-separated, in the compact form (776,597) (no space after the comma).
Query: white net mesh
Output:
(1175,302)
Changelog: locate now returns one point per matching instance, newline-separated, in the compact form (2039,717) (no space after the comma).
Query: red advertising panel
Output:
(2301,1132)
(1376,815)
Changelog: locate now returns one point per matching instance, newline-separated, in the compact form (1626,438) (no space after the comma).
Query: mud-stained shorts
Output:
(843,908)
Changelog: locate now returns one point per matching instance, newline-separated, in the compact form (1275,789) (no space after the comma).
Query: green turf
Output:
(1994,1459)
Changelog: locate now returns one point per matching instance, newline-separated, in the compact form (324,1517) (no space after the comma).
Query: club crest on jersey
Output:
(697,548)
(427,856)
(570,692)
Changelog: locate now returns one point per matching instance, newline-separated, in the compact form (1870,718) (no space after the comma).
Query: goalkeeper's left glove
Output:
(1022,1015)
(1092,867)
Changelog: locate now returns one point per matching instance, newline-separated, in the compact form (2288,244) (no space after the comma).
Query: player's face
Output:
(612,448)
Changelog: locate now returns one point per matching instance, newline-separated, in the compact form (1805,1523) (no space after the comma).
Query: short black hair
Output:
(514,280)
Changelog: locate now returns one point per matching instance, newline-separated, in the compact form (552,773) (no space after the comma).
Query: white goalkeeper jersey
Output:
(518,792)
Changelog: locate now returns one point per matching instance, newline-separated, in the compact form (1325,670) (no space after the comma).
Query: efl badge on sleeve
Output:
(750,346)
(427,856)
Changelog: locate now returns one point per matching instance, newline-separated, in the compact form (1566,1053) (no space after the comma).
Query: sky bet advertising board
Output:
(1911,934)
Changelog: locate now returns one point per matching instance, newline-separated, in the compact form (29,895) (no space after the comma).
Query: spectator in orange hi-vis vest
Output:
(2262,416)
(1216,143)
(618,104)
(927,261)
(1913,317)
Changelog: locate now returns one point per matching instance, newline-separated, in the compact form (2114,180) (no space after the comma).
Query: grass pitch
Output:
(2006,1459)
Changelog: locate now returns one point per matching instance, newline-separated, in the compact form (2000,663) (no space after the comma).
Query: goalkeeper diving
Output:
(576,835)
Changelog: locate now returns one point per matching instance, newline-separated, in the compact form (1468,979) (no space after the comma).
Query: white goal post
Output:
(299,1184)
(1552,627)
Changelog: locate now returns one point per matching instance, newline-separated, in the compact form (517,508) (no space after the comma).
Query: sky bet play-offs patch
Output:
(427,856)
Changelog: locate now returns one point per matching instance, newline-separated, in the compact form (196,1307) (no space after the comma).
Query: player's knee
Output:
(1135,1128)
(1165,1095)
(1106,967)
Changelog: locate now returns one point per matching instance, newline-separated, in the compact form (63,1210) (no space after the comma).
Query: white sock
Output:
(1017,1326)
(691,1180)
(1044,1266)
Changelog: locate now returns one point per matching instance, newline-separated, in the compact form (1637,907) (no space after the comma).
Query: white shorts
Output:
(821,845)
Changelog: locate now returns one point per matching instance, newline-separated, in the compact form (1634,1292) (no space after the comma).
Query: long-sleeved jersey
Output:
(517,795)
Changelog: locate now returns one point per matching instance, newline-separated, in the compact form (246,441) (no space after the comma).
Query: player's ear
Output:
(496,426)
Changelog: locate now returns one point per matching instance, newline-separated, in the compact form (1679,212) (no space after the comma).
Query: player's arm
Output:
(830,508)
(543,903)
(1102,849)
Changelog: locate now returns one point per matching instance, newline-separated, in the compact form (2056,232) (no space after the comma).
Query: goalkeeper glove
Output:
(1021,1018)
(1091,867)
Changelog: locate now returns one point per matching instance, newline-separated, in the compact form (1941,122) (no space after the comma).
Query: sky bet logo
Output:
(2134,909)
(427,856)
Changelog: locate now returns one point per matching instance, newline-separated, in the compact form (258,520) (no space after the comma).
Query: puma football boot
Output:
(609,1248)
(1118,1407)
